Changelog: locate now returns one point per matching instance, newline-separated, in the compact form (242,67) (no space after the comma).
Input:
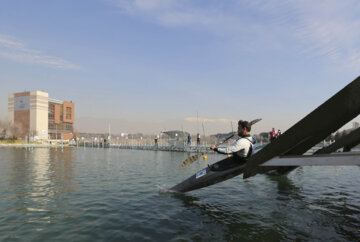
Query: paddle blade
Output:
(255,121)
(188,161)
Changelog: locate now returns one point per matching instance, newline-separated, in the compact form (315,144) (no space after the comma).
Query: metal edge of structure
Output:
(312,129)
(332,159)
(350,140)
(347,142)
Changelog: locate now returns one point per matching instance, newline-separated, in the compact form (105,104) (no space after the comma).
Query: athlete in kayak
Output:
(225,168)
(243,146)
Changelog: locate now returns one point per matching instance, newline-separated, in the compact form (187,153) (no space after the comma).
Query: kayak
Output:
(217,172)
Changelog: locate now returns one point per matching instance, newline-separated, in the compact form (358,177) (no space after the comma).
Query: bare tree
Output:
(2,129)
(13,130)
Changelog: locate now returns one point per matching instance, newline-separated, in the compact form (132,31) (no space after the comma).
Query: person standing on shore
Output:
(156,140)
(198,139)
(273,135)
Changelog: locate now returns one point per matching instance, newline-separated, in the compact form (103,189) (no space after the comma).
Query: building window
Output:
(51,107)
(51,111)
(68,113)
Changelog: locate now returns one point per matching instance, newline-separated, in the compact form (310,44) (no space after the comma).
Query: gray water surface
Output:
(120,195)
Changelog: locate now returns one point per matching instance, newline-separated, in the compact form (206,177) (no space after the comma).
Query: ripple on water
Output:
(122,195)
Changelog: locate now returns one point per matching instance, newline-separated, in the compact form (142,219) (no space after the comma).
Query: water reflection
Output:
(41,190)
(40,179)
(286,188)
(235,223)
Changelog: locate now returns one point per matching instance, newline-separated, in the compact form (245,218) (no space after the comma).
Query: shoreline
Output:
(31,146)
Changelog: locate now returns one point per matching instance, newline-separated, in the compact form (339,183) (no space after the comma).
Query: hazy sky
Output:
(152,65)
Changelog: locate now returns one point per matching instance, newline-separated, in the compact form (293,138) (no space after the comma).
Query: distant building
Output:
(35,114)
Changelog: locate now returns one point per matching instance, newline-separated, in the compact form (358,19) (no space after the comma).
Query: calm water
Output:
(118,195)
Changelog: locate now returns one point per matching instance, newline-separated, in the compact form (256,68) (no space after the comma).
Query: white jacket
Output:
(241,145)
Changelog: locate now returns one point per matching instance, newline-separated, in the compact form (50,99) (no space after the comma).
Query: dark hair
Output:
(245,124)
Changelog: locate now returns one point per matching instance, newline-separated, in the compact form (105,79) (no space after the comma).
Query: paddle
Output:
(188,161)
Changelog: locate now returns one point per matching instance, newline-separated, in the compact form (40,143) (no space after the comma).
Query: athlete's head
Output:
(244,127)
